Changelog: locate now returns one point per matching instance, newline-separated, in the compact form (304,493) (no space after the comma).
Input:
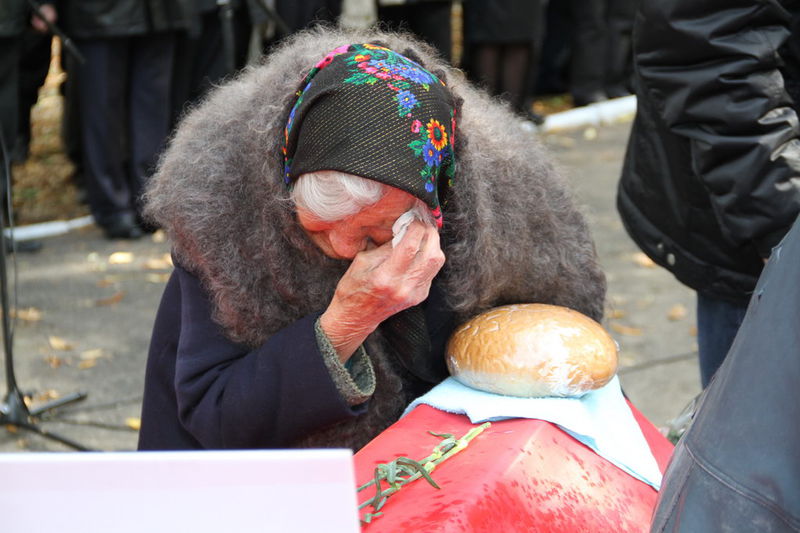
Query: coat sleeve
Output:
(712,70)
(232,397)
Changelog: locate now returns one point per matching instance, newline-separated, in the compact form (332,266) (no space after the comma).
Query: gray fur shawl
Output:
(512,230)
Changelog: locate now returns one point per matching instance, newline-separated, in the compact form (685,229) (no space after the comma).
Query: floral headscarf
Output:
(369,111)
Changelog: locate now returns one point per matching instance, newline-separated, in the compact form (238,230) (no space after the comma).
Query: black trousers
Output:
(124,101)
(10,48)
(588,65)
(200,62)
(430,21)
(602,56)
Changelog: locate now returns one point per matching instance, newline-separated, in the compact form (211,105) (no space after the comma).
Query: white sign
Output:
(281,491)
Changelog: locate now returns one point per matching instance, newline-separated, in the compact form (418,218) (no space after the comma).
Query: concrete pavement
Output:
(87,306)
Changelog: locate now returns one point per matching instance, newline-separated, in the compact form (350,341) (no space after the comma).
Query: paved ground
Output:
(87,307)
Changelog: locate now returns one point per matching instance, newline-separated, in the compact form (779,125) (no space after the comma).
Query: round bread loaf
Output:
(532,350)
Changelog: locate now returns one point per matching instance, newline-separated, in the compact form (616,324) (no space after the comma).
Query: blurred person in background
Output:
(15,17)
(503,39)
(34,63)
(123,93)
(430,20)
(711,179)
(587,50)
(214,45)
(618,76)
(218,39)
(587,65)
(297,15)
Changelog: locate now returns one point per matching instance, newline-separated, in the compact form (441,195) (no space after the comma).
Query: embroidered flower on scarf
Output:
(407,101)
(437,134)
(432,156)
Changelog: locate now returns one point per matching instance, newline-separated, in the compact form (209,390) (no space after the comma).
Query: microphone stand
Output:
(13,410)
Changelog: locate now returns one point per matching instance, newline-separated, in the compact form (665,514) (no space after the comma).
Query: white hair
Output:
(331,195)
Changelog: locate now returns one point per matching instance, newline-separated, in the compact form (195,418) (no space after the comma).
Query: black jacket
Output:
(89,19)
(15,16)
(711,180)
(737,468)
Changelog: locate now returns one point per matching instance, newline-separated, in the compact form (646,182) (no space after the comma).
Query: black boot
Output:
(122,226)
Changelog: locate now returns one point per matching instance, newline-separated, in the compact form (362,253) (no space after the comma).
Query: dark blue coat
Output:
(202,391)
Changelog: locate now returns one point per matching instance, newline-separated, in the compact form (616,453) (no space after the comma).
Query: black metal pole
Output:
(69,46)
(13,410)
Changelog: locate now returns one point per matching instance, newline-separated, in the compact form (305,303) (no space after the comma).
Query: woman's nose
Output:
(346,244)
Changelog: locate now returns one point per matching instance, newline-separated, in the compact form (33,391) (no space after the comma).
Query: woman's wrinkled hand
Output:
(380,283)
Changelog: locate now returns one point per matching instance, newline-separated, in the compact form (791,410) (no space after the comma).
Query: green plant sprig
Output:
(403,470)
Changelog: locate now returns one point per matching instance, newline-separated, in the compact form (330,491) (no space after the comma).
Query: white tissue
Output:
(401,225)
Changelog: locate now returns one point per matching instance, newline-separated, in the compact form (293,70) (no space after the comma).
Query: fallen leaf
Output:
(157,278)
(677,312)
(114,299)
(11,428)
(693,331)
(157,263)
(107,281)
(590,134)
(96,353)
(53,361)
(45,396)
(159,236)
(617,299)
(616,313)
(57,343)
(625,330)
(30,314)
(120,258)
(89,363)
(133,423)
(642,260)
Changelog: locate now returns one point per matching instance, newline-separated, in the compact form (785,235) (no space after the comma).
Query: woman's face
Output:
(369,228)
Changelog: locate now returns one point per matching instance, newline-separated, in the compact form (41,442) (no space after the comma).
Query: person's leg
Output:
(587,67)
(619,47)
(10,49)
(552,75)
(101,95)
(149,107)
(486,66)
(9,80)
(34,64)
(717,324)
(515,64)
(71,124)
(433,23)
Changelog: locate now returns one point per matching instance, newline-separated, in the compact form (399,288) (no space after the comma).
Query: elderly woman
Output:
(334,214)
